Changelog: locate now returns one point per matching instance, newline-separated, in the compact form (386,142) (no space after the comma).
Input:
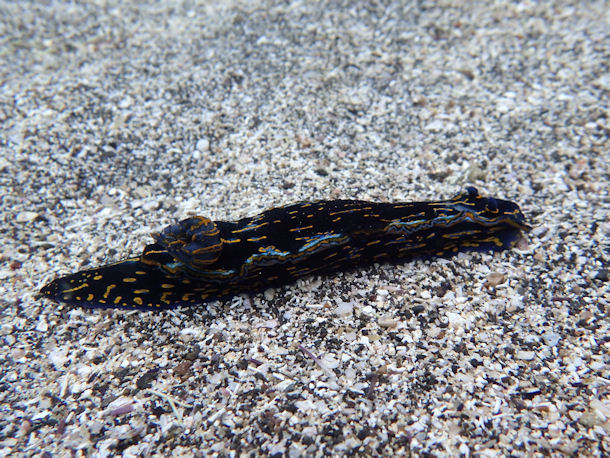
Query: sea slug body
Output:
(198,260)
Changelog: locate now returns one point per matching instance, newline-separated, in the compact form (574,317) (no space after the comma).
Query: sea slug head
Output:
(489,209)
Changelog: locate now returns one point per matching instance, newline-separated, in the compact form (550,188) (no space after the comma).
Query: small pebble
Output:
(494,279)
(525,355)
(344,309)
(26,217)
(387,322)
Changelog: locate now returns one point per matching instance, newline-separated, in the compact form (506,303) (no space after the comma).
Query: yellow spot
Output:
(167,285)
(129,280)
(156,252)
(117,299)
(90,297)
(373,242)
(294,229)
(108,289)
(206,249)
(349,211)
(140,272)
(78,298)
(249,228)
(186,296)
(98,277)
(141,291)
(138,300)
(230,240)
(164,297)
(84,285)
(256,239)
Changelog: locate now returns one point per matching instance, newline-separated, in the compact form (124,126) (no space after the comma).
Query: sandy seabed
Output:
(116,120)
